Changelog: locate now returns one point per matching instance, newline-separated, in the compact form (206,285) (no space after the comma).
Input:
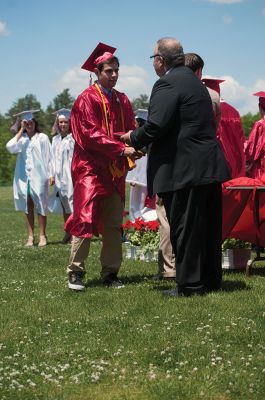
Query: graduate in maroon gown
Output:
(99,116)
(230,132)
(255,145)
(244,209)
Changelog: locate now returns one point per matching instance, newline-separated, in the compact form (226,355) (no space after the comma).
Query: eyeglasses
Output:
(156,55)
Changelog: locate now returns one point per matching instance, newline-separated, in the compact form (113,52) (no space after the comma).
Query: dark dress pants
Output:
(195,218)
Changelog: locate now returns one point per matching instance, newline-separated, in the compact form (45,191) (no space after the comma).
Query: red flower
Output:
(127,225)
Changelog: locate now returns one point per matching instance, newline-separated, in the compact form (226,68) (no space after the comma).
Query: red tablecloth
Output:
(244,209)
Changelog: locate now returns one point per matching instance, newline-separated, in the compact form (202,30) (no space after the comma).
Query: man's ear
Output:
(96,71)
(198,72)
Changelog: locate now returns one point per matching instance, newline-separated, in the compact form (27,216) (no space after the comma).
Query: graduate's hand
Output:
(53,131)
(126,138)
(21,130)
(23,124)
(139,154)
(129,152)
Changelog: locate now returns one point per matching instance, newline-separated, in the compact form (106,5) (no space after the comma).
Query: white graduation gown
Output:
(138,174)
(34,166)
(62,149)
(138,192)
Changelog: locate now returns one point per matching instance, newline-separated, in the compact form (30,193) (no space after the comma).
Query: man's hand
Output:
(132,153)
(126,138)
(129,152)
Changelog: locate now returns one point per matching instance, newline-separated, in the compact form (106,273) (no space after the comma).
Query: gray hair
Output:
(171,50)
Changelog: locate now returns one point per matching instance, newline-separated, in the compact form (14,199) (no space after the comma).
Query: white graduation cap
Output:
(141,113)
(26,115)
(63,113)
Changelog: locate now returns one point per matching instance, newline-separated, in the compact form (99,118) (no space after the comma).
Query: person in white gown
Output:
(61,201)
(137,177)
(33,173)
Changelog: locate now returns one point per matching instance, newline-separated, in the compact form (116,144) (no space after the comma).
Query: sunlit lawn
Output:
(130,343)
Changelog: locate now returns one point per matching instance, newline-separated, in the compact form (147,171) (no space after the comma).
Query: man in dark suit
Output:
(185,168)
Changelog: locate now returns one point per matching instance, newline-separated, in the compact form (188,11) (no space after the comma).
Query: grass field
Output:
(121,344)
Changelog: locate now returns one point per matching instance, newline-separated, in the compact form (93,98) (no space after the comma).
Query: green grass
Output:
(121,344)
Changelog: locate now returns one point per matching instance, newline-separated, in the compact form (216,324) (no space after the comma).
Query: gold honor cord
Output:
(115,171)
(131,163)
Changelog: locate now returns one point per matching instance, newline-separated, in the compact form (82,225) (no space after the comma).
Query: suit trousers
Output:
(111,251)
(195,218)
(166,256)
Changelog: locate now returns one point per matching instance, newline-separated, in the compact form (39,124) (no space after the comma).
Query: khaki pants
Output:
(166,256)
(111,251)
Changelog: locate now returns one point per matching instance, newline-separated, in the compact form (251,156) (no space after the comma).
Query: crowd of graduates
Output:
(41,164)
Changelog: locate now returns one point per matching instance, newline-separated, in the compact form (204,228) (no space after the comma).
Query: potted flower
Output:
(131,239)
(236,254)
(150,241)
(142,239)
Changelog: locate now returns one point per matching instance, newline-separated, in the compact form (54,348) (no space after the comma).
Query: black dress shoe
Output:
(187,292)
(212,288)
(213,285)
(163,278)
(173,293)
(113,281)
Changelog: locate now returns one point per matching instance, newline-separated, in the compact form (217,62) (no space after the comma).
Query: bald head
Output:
(171,50)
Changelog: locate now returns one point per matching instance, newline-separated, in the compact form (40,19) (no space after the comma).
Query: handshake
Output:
(129,151)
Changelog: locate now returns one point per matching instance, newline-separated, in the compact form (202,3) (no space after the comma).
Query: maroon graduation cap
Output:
(101,53)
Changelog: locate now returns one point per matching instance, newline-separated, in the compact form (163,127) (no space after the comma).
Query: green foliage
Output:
(150,241)
(140,102)
(144,234)
(248,121)
(126,344)
(63,100)
(7,161)
(45,119)
(231,243)
(135,238)
(29,102)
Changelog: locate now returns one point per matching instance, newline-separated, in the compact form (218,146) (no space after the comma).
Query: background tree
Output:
(62,100)
(248,121)
(46,120)
(140,102)
(29,102)
(7,161)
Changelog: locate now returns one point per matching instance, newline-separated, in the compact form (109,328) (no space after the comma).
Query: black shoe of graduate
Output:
(75,280)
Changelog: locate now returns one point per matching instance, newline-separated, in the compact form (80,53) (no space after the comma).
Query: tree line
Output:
(46,121)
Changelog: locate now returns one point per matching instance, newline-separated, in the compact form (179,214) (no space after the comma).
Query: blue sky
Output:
(44,43)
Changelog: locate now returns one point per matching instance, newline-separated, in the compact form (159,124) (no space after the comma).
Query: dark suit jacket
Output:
(184,151)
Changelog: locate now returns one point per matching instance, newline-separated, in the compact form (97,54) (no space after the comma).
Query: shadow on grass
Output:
(127,280)
(231,286)
(56,242)
(68,243)
(227,286)
(254,270)
(257,271)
